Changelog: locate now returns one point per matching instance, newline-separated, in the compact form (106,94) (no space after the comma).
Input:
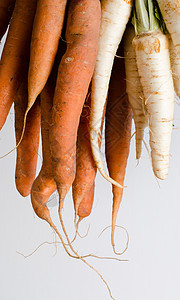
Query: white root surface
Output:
(134,90)
(170,10)
(153,61)
(175,66)
(115,15)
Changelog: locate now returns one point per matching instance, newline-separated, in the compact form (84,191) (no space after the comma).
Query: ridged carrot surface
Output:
(74,76)
(15,56)
(27,151)
(117,134)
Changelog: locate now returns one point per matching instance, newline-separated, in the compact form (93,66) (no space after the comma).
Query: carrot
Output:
(85,165)
(83,185)
(117,134)
(44,185)
(134,89)
(170,10)
(74,75)
(47,28)
(86,203)
(153,61)
(115,15)
(6,9)
(27,152)
(15,56)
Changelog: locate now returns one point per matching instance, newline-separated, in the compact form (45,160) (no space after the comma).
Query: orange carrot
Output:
(74,75)
(83,185)
(27,152)
(44,185)
(117,134)
(85,165)
(6,9)
(15,54)
(86,203)
(47,28)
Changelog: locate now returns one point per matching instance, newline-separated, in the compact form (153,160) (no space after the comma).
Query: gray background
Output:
(150,211)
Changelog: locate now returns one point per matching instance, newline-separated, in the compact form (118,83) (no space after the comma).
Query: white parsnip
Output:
(175,66)
(170,10)
(134,89)
(115,15)
(153,61)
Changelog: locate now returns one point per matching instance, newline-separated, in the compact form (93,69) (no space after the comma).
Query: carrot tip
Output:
(112,239)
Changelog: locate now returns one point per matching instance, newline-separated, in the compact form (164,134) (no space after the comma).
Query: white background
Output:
(149,212)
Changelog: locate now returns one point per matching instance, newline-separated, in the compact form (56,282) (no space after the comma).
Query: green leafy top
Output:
(147,16)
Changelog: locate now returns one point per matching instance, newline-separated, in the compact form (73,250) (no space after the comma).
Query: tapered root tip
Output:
(62,191)
(97,157)
(160,165)
(139,140)
(113,242)
(24,192)
(138,152)
(24,185)
(160,174)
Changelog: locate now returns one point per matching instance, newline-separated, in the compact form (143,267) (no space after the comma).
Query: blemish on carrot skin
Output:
(68,60)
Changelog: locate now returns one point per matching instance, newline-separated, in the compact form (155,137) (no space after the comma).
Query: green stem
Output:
(147,16)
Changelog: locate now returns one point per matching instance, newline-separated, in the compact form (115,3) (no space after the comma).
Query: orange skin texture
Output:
(15,54)
(47,28)
(6,9)
(27,151)
(117,131)
(83,185)
(74,76)
(44,185)
(85,206)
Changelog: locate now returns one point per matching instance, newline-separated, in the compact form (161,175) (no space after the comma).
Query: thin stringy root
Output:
(59,243)
(35,250)
(75,252)
(77,227)
(64,245)
(112,239)
(21,138)
(76,255)
(113,242)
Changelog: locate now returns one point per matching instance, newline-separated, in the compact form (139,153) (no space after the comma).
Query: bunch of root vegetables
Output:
(69,64)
